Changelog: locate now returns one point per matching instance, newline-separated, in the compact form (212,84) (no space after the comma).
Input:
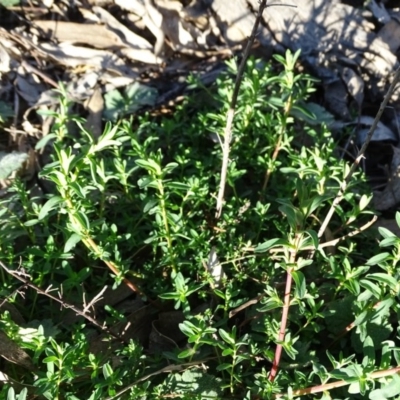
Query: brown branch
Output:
(24,278)
(285,314)
(334,385)
(360,155)
(232,109)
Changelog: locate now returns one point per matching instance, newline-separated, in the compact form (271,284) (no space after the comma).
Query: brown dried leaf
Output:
(355,85)
(379,11)
(5,60)
(390,34)
(335,95)
(13,353)
(95,106)
(14,313)
(235,19)
(390,196)
(74,56)
(135,47)
(153,20)
(93,35)
(158,341)
(381,133)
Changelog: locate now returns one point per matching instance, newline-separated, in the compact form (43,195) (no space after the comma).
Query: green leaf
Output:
(11,394)
(227,352)
(9,3)
(389,241)
(5,110)
(369,352)
(150,165)
(315,203)
(44,140)
(294,216)
(226,337)
(314,237)
(270,304)
(354,388)
(269,244)
(180,186)
(31,222)
(50,205)
(378,258)
(224,366)
(388,390)
(50,359)
(385,232)
(364,201)
(187,328)
(107,371)
(150,205)
(71,242)
(372,287)
(300,281)
(186,353)
(385,278)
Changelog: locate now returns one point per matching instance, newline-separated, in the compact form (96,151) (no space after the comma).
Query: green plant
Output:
(272,306)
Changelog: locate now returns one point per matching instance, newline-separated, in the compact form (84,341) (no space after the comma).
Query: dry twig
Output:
(232,109)
(23,277)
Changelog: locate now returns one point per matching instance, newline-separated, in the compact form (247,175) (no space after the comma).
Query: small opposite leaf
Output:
(378,259)
(264,247)
(300,281)
(387,391)
(385,232)
(384,278)
(71,242)
(226,337)
(49,205)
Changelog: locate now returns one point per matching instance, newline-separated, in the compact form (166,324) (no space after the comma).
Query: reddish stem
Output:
(281,338)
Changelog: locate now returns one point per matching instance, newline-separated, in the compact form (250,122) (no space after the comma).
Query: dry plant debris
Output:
(111,45)
(108,45)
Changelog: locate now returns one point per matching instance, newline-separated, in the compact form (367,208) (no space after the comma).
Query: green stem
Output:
(165,222)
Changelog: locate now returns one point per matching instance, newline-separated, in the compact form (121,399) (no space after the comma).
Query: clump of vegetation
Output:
(136,207)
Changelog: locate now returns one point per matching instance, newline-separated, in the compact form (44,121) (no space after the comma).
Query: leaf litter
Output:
(114,51)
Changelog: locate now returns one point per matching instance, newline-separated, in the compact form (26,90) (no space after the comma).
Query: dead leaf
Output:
(381,133)
(390,196)
(95,107)
(74,56)
(235,19)
(136,47)
(93,35)
(379,11)
(13,353)
(390,34)
(335,96)
(14,313)
(5,60)
(158,342)
(354,84)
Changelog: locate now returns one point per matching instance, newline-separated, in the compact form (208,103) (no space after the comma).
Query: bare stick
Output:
(360,155)
(333,385)
(231,111)
(168,368)
(284,318)
(25,279)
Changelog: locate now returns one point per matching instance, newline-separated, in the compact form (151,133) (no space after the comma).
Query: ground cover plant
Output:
(260,302)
